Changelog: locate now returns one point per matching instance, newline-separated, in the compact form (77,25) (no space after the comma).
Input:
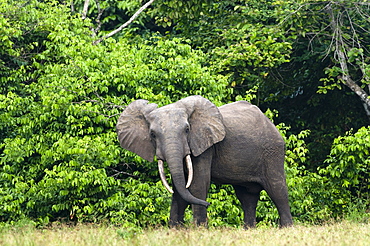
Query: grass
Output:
(342,233)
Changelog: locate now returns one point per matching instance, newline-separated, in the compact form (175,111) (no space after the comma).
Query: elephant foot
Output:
(286,223)
(176,224)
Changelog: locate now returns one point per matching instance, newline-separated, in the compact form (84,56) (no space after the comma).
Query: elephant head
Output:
(172,133)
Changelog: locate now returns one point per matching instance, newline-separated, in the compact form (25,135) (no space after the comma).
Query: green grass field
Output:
(343,233)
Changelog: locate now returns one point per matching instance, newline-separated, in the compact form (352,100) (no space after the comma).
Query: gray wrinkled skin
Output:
(234,144)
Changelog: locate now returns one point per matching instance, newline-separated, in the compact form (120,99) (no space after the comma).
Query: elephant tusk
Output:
(163,176)
(189,164)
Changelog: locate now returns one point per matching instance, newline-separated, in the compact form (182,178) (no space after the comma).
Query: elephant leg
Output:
(200,215)
(275,182)
(199,189)
(279,195)
(248,199)
(177,211)
(200,186)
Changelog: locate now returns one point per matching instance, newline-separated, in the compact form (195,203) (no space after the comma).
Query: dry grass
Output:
(344,233)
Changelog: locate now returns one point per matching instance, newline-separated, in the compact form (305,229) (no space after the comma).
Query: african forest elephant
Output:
(234,144)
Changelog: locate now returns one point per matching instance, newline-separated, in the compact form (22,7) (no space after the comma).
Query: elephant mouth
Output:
(162,174)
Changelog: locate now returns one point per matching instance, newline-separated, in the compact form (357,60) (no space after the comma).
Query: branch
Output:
(107,105)
(72,7)
(98,21)
(116,173)
(340,49)
(359,92)
(355,88)
(125,24)
(85,9)
(107,116)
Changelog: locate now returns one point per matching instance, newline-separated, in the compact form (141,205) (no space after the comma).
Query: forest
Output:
(68,68)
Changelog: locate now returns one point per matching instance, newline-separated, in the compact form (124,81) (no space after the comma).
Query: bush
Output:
(60,99)
(348,169)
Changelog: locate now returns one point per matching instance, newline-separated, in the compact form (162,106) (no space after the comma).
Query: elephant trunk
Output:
(162,175)
(175,163)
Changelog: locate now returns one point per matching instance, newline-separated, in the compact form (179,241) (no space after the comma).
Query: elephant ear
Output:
(133,129)
(206,123)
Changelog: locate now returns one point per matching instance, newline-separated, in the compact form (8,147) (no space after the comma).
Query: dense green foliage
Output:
(61,94)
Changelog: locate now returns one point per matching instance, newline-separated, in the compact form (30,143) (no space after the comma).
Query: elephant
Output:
(233,144)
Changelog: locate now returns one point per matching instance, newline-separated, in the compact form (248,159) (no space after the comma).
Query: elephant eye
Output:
(152,135)
(187,129)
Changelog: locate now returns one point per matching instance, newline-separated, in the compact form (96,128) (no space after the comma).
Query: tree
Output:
(60,96)
(58,109)
(342,28)
(309,94)
(242,40)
